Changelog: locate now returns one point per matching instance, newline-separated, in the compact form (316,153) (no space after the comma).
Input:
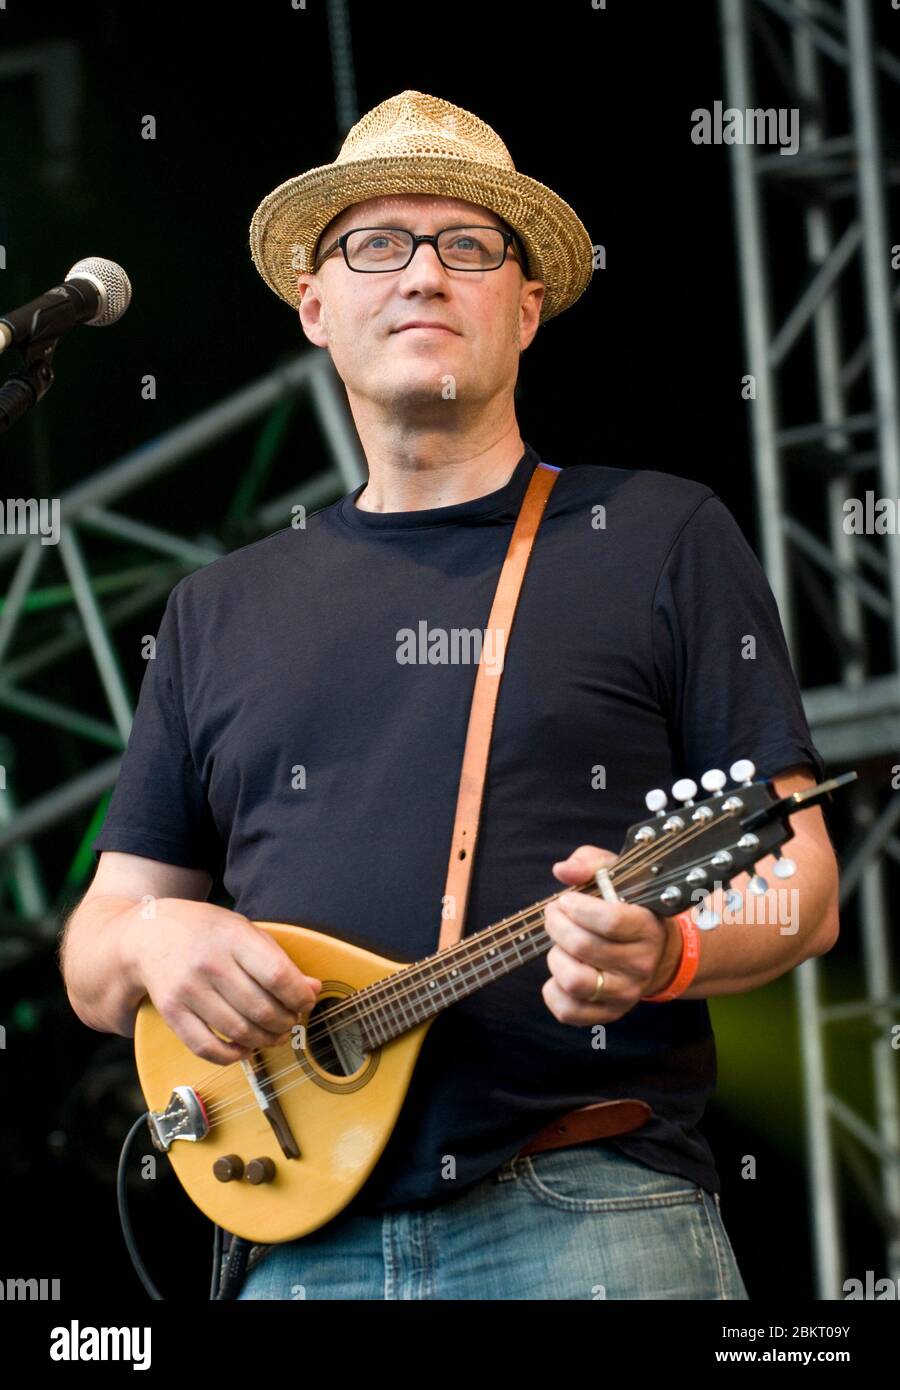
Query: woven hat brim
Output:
(288,222)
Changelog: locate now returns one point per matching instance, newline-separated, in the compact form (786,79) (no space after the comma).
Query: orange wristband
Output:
(687,966)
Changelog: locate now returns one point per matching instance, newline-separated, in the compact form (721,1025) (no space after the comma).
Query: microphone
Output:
(95,291)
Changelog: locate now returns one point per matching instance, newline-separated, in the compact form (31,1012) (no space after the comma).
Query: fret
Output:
(405,1002)
(456,980)
(419,985)
(435,1000)
(476,963)
(494,963)
(368,1022)
(517,939)
(446,990)
(376,1019)
(389,1011)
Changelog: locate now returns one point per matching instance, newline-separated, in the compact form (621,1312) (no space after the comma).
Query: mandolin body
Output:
(340,1114)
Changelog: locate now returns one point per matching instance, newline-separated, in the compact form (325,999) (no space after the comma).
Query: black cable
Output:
(222,1286)
(235,1268)
(122,1198)
(218,1241)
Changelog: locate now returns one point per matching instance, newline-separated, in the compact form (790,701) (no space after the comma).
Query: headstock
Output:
(702,845)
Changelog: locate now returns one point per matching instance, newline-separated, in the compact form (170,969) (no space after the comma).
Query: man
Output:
(285,734)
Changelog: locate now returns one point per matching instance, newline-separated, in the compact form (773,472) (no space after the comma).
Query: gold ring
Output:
(598,988)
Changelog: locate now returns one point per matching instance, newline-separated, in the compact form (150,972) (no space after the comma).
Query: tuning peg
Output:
(656,801)
(784,867)
(757,884)
(685,790)
(713,781)
(733,900)
(706,919)
(742,771)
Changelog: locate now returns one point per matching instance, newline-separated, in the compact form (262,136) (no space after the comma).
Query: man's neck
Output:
(440,476)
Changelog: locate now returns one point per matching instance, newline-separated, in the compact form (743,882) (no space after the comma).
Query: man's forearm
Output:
(770,933)
(99,976)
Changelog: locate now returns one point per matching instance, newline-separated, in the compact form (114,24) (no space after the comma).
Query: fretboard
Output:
(391,1007)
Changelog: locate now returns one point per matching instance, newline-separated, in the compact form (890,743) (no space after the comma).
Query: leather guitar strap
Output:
(606,1117)
(484,704)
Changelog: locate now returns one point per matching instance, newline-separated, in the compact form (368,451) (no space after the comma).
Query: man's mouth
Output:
(426,327)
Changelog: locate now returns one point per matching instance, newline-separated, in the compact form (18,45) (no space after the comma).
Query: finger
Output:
(194,1033)
(630,958)
(617,921)
(253,1003)
(578,980)
(264,961)
(577,941)
(583,863)
(573,1011)
(217,1012)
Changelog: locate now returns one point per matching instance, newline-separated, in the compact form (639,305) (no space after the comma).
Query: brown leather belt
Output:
(590,1122)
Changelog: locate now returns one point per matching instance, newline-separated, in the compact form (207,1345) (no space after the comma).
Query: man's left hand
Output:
(637,951)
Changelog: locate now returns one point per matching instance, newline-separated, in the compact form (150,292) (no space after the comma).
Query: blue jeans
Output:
(582,1222)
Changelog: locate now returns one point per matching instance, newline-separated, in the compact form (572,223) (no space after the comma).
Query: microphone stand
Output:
(23,389)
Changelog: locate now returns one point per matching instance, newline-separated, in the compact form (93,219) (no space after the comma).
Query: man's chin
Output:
(418,390)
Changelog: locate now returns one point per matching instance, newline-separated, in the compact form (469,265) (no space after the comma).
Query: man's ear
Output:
(530,313)
(311,312)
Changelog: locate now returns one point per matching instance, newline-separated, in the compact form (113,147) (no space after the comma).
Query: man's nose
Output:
(425,265)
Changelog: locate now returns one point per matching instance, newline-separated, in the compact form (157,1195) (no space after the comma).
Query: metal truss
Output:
(88,609)
(833,196)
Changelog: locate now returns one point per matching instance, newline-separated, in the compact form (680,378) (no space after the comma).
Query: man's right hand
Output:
(205,967)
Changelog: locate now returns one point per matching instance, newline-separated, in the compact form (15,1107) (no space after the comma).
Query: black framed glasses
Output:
(374,250)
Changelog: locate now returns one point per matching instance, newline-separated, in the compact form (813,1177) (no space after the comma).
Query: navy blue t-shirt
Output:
(279,739)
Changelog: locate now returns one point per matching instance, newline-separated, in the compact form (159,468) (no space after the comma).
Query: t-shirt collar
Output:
(502,504)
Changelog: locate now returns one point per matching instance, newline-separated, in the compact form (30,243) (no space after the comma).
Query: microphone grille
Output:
(113,284)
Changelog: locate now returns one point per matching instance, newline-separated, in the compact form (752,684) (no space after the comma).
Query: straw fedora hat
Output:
(414,143)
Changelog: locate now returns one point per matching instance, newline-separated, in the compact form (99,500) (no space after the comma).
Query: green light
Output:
(26,1016)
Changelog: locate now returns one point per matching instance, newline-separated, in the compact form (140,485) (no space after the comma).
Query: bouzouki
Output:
(275,1146)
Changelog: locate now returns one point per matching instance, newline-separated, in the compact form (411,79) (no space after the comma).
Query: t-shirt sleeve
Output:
(159,807)
(724,673)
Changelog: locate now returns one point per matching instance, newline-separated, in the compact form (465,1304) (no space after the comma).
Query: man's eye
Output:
(371,242)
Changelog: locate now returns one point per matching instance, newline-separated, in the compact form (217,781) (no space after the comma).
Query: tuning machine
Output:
(784,867)
(706,919)
(743,772)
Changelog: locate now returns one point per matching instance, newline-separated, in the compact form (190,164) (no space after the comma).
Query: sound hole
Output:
(333,1040)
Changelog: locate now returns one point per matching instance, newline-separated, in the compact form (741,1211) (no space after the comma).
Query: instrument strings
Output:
(387,985)
(625,869)
(381,990)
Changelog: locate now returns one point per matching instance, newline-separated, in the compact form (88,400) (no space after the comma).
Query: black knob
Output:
(260,1170)
(228,1168)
